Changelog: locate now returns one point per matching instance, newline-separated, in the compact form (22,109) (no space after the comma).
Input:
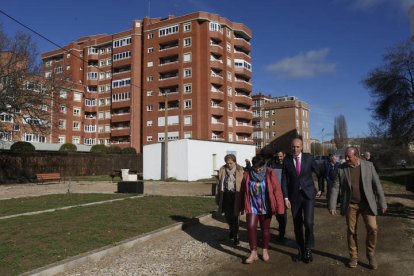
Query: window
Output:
(109,50)
(107,114)
(267,124)
(101,88)
(102,75)
(90,141)
(229,62)
(89,128)
(109,61)
(267,114)
(101,129)
(59,70)
(102,63)
(122,42)
(228,32)
(61,139)
(215,27)
(120,97)
(149,123)
(63,94)
(108,88)
(101,102)
(90,102)
(63,109)
(101,115)
(77,97)
(102,51)
(108,75)
(150,50)
(123,55)
(230,121)
(149,138)
(230,106)
(187,57)
(187,104)
(187,27)
(149,93)
(76,111)
(4,117)
(229,91)
(240,63)
(76,125)
(187,88)
(150,78)
(228,47)
(92,51)
(31,137)
(187,135)
(121,83)
(150,36)
(230,136)
(168,30)
(273,123)
(187,72)
(150,64)
(107,128)
(92,75)
(149,107)
(75,140)
(187,120)
(229,77)
(187,42)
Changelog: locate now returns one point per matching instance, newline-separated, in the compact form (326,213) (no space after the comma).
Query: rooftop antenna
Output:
(149,8)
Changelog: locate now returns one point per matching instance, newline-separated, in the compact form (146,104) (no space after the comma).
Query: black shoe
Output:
(307,257)
(298,257)
(281,238)
(236,241)
(230,235)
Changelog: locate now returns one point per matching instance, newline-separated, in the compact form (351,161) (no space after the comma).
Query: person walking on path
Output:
(276,163)
(299,194)
(359,186)
(328,174)
(228,196)
(261,198)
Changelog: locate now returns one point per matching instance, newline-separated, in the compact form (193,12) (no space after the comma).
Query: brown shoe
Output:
(353,263)
(373,264)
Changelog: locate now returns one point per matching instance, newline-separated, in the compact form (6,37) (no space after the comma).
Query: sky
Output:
(319,51)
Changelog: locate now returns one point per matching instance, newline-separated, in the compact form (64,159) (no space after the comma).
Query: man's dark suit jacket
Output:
(291,182)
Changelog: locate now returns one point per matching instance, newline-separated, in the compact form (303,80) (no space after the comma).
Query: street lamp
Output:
(323,135)
(166,138)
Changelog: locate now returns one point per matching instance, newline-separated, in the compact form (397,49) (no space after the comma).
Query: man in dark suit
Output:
(360,188)
(299,194)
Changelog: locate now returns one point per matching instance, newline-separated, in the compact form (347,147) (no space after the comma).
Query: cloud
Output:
(303,66)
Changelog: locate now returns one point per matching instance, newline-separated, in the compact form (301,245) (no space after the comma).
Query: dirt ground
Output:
(394,248)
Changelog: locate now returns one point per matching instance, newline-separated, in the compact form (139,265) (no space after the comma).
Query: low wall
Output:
(23,167)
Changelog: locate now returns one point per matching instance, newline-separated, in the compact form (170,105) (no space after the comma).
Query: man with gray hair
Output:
(359,187)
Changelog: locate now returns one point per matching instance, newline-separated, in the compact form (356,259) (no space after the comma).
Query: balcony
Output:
(217,79)
(242,44)
(120,131)
(243,85)
(217,126)
(120,117)
(243,113)
(217,95)
(167,46)
(244,129)
(121,104)
(217,110)
(216,63)
(242,55)
(243,99)
(216,49)
(243,72)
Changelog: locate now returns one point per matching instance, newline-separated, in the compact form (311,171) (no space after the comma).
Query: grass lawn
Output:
(32,204)
(34,241)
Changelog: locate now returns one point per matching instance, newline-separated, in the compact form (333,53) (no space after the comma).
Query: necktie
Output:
(297,165)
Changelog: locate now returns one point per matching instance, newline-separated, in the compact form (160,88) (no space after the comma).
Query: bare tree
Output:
(26,99)
(391,86)
(340,132)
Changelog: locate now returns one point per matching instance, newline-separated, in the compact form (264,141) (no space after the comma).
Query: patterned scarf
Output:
(230,180)
(258,177)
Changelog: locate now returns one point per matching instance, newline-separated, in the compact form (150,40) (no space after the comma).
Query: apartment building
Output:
(184,77)
(277,120)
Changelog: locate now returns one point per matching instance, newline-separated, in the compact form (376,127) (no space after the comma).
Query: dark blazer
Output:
(370,183)
(291,181)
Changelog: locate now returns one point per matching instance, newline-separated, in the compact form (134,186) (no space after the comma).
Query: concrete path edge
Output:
(97,254)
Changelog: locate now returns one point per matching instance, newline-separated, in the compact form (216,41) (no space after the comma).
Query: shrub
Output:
(114,149)
(99,149)
(22,147)
(129,150)
(68,147)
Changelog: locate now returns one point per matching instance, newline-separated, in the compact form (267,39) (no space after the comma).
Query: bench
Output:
(48,176)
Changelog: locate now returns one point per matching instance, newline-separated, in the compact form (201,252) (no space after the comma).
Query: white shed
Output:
(190,159)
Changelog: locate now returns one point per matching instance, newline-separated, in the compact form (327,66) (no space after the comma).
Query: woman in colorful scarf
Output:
(230,178)
(261,197)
